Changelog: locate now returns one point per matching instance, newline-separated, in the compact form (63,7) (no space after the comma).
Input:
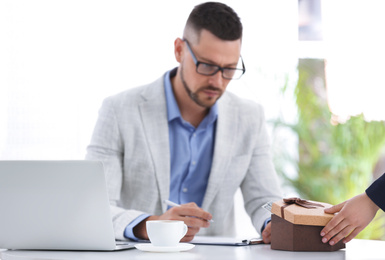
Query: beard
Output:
(203,102)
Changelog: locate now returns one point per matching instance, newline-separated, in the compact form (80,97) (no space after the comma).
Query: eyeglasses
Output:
(210,69)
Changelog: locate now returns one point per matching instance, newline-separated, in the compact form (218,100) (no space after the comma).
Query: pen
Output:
(170,203)
(173,204)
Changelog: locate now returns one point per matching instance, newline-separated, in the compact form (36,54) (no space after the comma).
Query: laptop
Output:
(55,205)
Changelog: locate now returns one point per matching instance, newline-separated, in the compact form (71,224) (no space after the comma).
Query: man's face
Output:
(206,90)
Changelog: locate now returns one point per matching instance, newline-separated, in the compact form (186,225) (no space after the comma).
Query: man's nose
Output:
(217,79)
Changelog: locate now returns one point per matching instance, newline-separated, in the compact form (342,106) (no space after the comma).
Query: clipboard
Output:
(225,241)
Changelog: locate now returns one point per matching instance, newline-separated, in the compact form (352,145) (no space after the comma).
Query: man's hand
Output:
(266,234)
(193,216)
(354,215)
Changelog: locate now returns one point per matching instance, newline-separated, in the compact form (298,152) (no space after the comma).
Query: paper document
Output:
(224,241)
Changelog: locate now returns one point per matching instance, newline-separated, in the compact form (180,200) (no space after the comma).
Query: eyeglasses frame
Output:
(219,68)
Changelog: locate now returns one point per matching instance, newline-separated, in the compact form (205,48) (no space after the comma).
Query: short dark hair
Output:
(218,18)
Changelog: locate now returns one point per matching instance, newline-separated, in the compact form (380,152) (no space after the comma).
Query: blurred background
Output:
(317,67)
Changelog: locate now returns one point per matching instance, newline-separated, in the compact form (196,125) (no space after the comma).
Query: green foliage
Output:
(335,161)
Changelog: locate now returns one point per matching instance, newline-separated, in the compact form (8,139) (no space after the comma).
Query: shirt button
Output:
(194,162)
(194,134)
(185,189)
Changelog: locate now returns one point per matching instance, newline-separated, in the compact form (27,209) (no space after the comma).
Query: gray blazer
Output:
(131,138)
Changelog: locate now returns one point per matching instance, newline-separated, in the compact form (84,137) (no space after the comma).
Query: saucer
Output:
(151,248)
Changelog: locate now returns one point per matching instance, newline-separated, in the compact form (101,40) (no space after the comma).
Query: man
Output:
(354,214)
(182,138)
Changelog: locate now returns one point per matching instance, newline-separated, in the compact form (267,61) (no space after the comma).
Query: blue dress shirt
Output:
(191,154)
(191,151)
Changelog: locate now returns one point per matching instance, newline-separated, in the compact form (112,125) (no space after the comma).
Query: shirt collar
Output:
(172,106)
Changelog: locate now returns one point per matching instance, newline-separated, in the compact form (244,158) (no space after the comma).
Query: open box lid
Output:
(300,215)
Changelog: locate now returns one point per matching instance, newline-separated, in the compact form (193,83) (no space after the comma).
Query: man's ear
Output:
(178,49)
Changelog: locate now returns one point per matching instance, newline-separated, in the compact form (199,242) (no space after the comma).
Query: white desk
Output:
(356,249)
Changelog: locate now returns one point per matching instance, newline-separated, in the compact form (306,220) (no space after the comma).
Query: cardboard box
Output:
(300,226)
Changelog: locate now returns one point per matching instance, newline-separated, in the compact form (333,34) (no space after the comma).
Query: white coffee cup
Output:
(166,232)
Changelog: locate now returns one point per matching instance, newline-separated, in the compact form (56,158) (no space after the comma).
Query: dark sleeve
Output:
(376,192)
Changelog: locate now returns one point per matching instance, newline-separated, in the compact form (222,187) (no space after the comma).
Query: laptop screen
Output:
(54,205)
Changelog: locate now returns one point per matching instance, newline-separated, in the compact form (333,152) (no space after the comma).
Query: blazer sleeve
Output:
(107,146)
(261,183)
(376,192)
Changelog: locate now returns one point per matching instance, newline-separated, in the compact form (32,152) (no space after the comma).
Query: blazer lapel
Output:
(227,123)
(153,112)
